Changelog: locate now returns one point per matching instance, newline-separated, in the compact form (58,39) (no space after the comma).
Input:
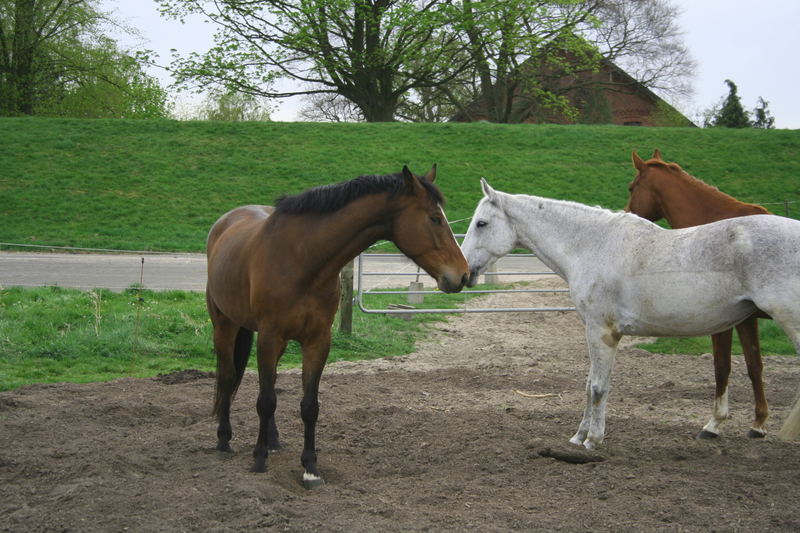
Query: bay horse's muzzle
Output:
(452,283)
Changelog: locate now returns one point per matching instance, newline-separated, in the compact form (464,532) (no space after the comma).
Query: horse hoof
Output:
(259,465)
(310,481)
(706,435)
(756,433)
(224,455)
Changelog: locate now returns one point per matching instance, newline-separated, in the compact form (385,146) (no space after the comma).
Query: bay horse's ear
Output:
(657,154)
(431,175)
(409,178)
(637,161)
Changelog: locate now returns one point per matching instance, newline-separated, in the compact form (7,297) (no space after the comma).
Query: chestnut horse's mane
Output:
(330,198)
(675,168)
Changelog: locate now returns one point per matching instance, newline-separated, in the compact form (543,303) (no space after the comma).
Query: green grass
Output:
(159,185)
(52,334)
(772,339)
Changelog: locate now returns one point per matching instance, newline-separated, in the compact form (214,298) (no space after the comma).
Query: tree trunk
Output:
(20,74)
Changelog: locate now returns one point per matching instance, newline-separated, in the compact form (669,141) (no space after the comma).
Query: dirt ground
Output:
(439,440)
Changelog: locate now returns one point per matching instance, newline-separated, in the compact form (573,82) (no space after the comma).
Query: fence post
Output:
(490,277)
(346,299)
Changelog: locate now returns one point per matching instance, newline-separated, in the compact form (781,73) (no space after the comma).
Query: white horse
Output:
(628,276)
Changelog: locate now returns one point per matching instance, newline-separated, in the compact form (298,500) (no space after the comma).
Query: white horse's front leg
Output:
(602,342)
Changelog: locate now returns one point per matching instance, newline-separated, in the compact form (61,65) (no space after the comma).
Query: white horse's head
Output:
(490,235)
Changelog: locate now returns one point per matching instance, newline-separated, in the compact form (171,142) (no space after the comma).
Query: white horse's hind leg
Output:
(790,323)
(602,350)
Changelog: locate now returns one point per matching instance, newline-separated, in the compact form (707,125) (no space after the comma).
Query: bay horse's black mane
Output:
(330,198)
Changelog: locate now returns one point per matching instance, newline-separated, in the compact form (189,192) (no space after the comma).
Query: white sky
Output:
(755,44)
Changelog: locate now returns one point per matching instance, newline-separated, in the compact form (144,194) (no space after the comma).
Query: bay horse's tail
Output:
(228,385)
(791,428)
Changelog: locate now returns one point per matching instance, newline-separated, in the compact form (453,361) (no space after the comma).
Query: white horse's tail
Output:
(791,428)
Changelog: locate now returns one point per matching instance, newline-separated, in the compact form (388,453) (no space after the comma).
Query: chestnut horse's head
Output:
(644,200)
(421,231)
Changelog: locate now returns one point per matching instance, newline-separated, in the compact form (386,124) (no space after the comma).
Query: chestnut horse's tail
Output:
(791,428)
(227,385)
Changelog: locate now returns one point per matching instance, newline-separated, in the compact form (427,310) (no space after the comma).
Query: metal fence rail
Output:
(364,272)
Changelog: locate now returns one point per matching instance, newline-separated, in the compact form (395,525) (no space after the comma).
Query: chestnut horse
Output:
(664,190)
(275,271)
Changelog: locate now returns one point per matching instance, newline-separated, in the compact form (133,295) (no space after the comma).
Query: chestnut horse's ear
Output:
(637,161)
(657,154)
(431,175)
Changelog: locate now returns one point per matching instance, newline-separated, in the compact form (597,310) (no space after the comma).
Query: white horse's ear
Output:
(488,192)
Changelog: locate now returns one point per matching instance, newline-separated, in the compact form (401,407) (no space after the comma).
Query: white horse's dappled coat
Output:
(628,276)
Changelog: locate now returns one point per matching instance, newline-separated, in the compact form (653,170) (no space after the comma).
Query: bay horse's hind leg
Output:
(721,343)
(232,345)
(748,337)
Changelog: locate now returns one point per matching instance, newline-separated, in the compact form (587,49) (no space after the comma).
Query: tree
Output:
(371,52)
(54,59)
(763,117)
(235,107)
(529,55)
(418,58)
(731,114)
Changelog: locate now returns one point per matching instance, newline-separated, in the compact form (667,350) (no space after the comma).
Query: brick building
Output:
(605,96)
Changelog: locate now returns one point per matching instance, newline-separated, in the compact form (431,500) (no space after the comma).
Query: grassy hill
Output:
(159,185)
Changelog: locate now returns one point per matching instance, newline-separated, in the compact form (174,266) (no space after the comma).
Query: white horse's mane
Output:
(607,214)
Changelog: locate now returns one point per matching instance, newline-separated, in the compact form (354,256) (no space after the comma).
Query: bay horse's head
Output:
(643,199)
(421,231)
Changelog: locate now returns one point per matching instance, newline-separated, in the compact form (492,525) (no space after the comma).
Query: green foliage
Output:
(159,185)
(763,118)
(56,61)
(732,114)
(370,52)
(235,107)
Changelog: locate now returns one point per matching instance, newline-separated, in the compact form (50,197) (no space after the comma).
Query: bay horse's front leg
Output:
(602,343)
(315,354)
(270,349)
(721,345)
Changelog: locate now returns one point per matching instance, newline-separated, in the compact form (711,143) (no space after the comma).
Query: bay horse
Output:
(664,190)
(275,271)
(629,276)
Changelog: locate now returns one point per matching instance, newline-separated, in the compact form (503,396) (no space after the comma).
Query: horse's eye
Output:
(436,220)
(480,223)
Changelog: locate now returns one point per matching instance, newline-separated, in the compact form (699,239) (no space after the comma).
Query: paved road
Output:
(186,271)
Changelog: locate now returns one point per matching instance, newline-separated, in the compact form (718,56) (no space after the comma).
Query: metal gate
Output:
(531,268)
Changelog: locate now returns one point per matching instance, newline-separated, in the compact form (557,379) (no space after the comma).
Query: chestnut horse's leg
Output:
(315,354)
(748,337)
(269,348)
(721,343)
